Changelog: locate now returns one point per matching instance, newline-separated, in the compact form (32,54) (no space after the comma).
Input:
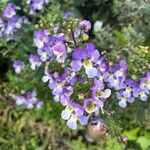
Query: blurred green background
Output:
(120,29)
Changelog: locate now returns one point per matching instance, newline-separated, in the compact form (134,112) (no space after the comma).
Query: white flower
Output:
(98,26)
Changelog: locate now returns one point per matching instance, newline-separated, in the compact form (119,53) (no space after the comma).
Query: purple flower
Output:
(72,113)
(79,54)
(28,99)
(34,61)
(83,120)
(59,51)
(2,25)
(19,100)
(43,55)
(1,22)
(76,65)
(61,85)
(143,95)
(145,86)
(59,47)
(68,14)
(65,99)
(91,105)
(50,47)
(129,93)
(15,22)
(77,32)
(47,76)
(11,26)
(39,104)
(36,5)
(131,89)
(40,37)
(18,66)
(85,25)
(98,91)
(9,11)
(71,123)
(87,58)
(116,75)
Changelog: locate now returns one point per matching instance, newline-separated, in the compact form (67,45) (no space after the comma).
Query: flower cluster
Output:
(29,100)
(82,63)
(10,22)
(36,5)
(50,47)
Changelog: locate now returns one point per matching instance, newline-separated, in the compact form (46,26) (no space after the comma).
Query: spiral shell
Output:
(96,130)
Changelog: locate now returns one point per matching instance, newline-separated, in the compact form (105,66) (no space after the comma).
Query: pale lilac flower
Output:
(83,120)
(77,32)
(43,54)
(72,122)
(129,93)
(68,14)
(131,89)
(12,25)
(59,51)
(123,102)
(116,75)
(72,113)
(36,5)
(47,76)
(18,66)
(85,25)
(145,86)
(39,104)
(29,100)
(40,37)
(34,61)
(98,91)
(9,11)
(1,22)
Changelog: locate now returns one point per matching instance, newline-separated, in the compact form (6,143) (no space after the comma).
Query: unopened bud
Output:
(85,37)
(81,96)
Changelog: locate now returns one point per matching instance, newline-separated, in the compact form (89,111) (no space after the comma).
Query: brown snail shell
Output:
(96,131)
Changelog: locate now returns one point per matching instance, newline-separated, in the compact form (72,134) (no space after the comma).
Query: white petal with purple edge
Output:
(107,93)
(56,98)
(83,120)
(65,115)
(122,103)
(143,96)
(45,79)
(72,124)
(91,72)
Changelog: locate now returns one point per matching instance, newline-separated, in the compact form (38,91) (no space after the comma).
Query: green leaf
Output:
(132,134)
(27,27)
(144,142)
(4,1)
(2,140)
(3,42)
(121,38)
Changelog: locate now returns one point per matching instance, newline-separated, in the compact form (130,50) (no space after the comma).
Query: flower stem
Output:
(75,43)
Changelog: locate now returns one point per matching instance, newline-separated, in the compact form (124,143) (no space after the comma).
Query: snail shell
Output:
(96,131)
